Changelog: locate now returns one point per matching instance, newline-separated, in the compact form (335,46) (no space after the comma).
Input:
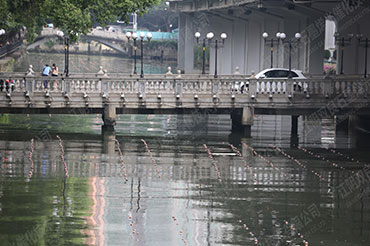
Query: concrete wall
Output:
(354,55)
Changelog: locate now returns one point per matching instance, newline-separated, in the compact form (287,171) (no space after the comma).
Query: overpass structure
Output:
(189,94)
(245,21)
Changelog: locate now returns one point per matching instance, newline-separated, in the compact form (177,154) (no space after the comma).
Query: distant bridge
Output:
(159,94)
(113,40)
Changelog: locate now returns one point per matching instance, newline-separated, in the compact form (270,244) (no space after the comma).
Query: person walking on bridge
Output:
(54,73)
(46,72)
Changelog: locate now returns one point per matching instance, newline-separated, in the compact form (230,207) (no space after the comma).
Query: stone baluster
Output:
(278,87)
(246,87)
(39,85)
(336,87)
(342,87)
(262,86)
(273,87)
(268,87)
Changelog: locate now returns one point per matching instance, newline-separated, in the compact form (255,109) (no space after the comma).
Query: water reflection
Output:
(263,195)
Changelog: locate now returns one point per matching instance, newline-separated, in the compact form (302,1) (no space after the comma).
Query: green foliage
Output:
(327,54)
(73,17)
(49,44)
(159,18)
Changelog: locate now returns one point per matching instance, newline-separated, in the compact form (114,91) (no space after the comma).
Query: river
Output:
(180,180)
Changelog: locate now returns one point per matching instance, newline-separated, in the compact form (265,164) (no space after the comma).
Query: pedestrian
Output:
(54,70)
(1,85)
(12,84)
(7,85)
(54,73)
(46,72)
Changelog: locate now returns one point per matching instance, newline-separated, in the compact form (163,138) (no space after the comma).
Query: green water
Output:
(186,198)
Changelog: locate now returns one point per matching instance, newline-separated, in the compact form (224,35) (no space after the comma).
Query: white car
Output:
(279,73)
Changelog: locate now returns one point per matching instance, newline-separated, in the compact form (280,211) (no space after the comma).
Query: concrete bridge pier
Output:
(246,152)
(108,137)
(242,121)
(294,140)
(346,128)
(109,117)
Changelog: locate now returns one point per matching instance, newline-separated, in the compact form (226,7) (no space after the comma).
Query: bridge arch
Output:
(107,42)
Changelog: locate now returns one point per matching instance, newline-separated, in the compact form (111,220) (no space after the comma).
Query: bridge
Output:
(245,21)
(114,40)
(187,94)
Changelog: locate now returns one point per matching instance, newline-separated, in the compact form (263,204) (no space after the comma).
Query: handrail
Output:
(188,84)
(10,48)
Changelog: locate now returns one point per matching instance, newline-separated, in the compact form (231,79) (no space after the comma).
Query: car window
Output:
(282,73)
(270,74)
(294,75)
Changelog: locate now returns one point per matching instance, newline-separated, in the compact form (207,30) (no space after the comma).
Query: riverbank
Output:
(8,62)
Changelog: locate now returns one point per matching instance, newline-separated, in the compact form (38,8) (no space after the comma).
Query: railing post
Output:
(328,87)
(252,87)
(67,86)
(29,84)
(179,86)
(289,87)
(63,86)
(215,87)
(103,86)
(141,87)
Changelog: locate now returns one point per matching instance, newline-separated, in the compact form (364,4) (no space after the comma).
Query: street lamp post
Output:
(342,42)
(197,36)
(66,56)
(133,36)
(282,36)
(66,52)
(142,37)
(210,36)
(271,42)
(364,42)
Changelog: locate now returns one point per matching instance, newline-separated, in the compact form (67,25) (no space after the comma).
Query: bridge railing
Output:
(188,84)
(10,47)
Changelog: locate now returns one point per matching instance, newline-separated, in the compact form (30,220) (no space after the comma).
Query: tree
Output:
(159,18)
(73,17)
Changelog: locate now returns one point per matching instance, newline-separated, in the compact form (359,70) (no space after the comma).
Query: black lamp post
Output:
(271,42)
(142,37)
(130,35)
(210,36)
(66,56)
(197,36)
(282,36)
(342,42)
(297,39)
(66,51)
(364,42)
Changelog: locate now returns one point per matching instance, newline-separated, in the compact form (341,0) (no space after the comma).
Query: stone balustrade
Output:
(188,84)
